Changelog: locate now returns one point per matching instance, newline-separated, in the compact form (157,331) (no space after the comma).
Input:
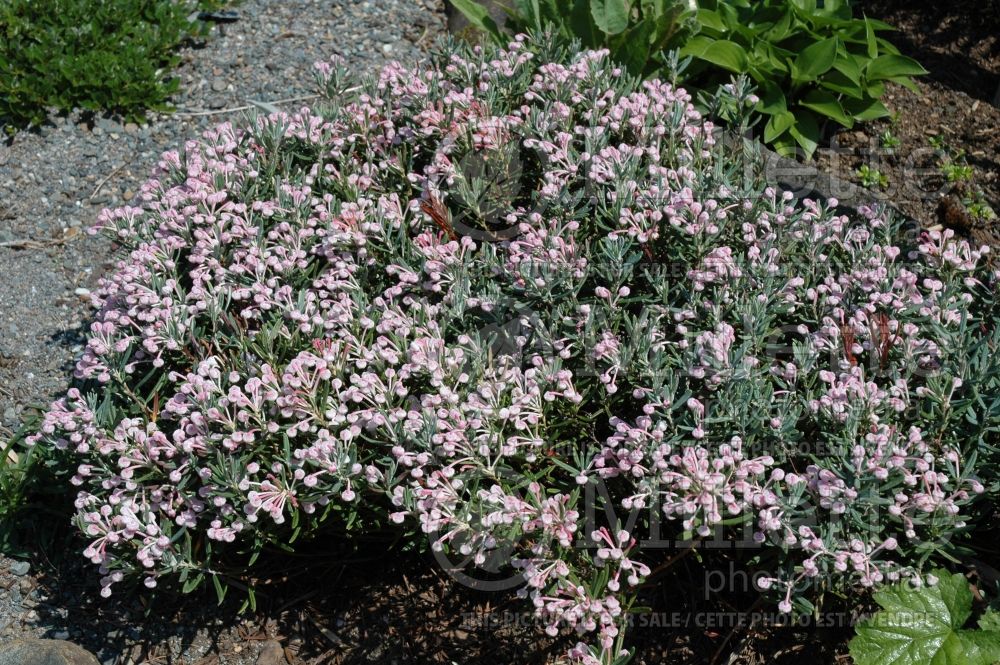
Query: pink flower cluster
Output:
(324,310)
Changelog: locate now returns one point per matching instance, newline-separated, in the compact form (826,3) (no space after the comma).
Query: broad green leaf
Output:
(805,131)
(634,50)
(780,29)
(853,33)
(533,11)
(885,46)
(785,146)
(978,646)
(815,59)
(711,19)
(778,124)
(870,39)
(906,82)
(667,18)
(875,89)
(696,46)
(729,13)
(826,24)
(552,10)
(849,68)
(924,627)
(784,54)
(892,66)
(760,57)
(726,54)
(837,82)
(826,103)
(840,9)
(611,16)
(740,30)
(879,26)
(772,99)
(581,23)
(478,16)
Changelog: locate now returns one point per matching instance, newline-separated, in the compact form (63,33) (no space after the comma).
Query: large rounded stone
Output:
(44,652)
(271,654)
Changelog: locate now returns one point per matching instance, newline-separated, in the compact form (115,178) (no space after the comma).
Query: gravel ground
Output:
(54,182)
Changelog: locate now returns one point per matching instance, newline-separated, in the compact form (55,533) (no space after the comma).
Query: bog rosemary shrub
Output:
(456,300)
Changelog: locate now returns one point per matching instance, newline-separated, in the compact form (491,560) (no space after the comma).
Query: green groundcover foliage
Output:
(99,55)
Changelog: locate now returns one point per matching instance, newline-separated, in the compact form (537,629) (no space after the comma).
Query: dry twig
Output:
(251,105)
(25,243)
(104,181)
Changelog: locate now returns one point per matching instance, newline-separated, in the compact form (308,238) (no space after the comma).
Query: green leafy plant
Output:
(981,209)
(938,143)
(12,472)
(958,172)
(888,140)
(925,625)
(28,482)
(99,55)
(955,170)
(636,32)
(812,63)
(872,178)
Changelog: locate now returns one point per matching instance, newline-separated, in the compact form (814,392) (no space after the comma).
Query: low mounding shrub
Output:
(98,55)
(458,301)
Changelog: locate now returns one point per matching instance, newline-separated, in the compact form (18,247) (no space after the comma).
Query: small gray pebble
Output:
(108,125)
(20,568)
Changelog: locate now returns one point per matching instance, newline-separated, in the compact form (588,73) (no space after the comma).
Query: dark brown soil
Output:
(915,180)
(953,116)
(957,41)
